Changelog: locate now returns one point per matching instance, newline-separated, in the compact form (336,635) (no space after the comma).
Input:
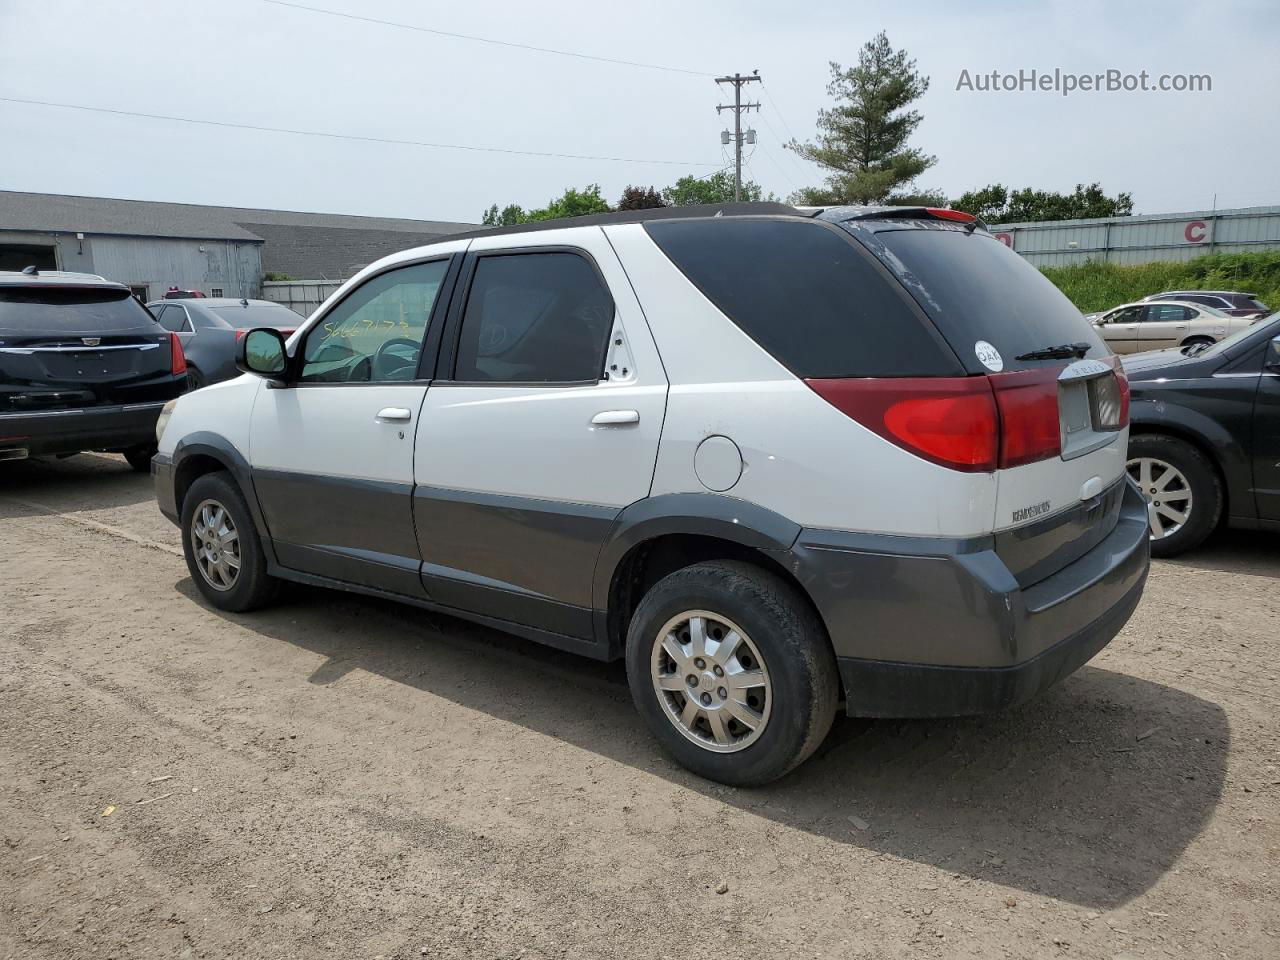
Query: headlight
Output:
(162,421)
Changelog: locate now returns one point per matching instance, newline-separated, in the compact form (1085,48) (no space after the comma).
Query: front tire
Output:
(732,671)
(223,550)
(1182,490)
(139,457)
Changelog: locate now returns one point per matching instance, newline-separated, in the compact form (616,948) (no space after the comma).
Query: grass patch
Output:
(1094,285)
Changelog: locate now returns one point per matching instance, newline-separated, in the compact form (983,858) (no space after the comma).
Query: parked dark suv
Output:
(83,366)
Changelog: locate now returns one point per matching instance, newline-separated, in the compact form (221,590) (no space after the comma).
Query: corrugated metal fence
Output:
(1166,236)
(300,296)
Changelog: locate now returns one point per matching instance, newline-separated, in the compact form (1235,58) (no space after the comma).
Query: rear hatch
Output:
(1061,400)
(64,347)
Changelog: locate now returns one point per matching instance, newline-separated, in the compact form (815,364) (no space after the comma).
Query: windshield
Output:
(1253,329)
(979,292)
(57,310)
(259,315)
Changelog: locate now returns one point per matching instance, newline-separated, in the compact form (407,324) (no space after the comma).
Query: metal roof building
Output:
(220,251)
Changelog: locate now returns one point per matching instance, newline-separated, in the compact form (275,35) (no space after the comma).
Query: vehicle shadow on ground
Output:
(1089,794)
(83,482)
(1249,552)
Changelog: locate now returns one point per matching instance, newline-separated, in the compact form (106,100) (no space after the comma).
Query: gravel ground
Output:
(349,778)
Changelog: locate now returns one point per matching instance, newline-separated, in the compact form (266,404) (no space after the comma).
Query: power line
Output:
(478,39)
(352,136)
(785,126)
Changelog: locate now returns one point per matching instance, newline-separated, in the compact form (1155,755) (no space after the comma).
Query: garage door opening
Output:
(19,256)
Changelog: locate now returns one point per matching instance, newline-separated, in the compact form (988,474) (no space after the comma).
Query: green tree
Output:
(717,188)
(640,198)
(996,204)
(862,139)
(512,213)
(572,203)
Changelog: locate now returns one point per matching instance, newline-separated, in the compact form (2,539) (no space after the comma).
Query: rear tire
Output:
(221,544)
(139,457)
(1180,481)
(741,711)
(195,379)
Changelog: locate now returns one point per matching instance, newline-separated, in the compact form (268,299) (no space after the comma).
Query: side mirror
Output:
(1272,362)
(261,352)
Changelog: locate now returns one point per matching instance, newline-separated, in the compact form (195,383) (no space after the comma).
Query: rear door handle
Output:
(613,418)
(395,413)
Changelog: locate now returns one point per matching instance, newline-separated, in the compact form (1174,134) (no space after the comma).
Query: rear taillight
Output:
(943,214)
(177,359)
(239,334)
(948,420)
(974,424)
(1110,398)
(1030,427)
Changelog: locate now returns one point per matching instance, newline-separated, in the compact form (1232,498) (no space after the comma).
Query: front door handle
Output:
(395,413)
(613,418)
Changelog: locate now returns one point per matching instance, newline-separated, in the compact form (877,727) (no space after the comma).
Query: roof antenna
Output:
(31,271)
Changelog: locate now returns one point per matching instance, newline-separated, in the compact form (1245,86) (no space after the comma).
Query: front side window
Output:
(534,318)
(375,334)
(1127,315)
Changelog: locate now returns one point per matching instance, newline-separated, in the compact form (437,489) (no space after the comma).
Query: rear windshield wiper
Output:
(1063,351)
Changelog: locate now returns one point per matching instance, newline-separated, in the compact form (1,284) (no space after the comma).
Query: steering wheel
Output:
(383,355)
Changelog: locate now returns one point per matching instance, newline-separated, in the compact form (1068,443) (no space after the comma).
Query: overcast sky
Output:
(254,62)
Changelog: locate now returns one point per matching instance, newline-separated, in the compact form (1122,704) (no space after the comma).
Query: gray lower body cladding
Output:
(920,626)
(942,628)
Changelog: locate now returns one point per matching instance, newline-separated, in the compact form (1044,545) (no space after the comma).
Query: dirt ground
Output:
(342,777)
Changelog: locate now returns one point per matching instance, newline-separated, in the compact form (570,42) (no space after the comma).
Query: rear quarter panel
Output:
(802,458)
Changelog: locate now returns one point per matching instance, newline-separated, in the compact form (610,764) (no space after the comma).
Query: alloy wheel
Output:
(711,681)
(215,542)
(1167,492)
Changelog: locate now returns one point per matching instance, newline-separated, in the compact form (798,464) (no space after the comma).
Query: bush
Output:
(1094,285)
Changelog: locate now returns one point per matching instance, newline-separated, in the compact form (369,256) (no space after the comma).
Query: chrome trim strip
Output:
(27,351)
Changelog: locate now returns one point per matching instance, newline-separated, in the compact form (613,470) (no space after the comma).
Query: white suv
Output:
(779,460)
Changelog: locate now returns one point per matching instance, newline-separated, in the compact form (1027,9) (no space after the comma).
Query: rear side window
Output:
(259,315)
(173,319)
(807,295)
(975,289)
(53,310)
(534,318)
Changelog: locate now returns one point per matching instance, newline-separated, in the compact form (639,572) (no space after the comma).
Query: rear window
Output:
(976,289)
(259,315)
(807,294)
(40,310)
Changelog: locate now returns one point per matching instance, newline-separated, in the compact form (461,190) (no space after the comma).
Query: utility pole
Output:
(738,136)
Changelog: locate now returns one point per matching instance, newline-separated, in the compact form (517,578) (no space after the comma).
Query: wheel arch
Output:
(203,453)
(1202,445)
(660,535)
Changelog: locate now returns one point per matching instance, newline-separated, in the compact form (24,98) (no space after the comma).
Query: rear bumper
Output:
(88,428)
(942,628)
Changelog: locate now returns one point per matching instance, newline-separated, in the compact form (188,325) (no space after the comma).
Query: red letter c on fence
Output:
(1195,231)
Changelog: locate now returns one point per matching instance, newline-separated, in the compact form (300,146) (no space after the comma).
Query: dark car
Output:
(1204,443)
(83,366)
(209,329)
(1230,302)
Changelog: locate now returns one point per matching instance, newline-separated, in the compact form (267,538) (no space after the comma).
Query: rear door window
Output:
(55,310)
(977,289)
(534,318)
(174,319)
(807,294)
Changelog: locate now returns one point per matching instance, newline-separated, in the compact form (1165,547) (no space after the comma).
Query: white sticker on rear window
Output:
(988,356)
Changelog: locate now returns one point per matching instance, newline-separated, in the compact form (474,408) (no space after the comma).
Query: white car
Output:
(780,461)
(1164,324)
